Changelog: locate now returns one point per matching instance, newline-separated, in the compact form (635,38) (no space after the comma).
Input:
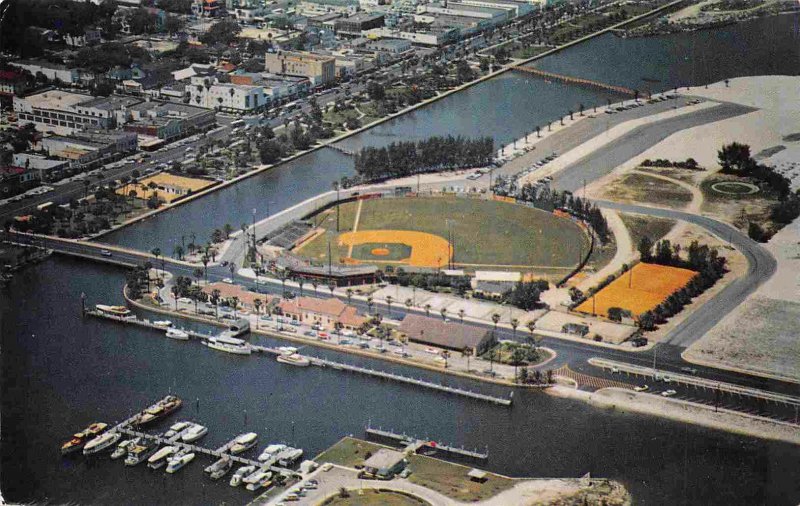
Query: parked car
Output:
(668,393)
(641,388)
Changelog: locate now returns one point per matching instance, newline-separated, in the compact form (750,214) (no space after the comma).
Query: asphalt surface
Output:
(602,161)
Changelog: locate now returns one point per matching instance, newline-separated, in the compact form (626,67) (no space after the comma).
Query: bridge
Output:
(340,149)
(552,76)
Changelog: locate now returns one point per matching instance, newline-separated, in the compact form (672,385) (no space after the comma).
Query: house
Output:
(324,312)
(445,334)
(15,180)
(385,463)
(246,298)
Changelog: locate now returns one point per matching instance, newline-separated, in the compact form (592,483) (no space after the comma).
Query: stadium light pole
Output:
(336,187)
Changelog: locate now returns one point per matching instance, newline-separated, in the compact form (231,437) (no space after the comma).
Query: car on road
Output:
(105,252)
(689,370)
(641,388)
(668,393)
(185,300)
(227,280)
(327,467)
(615,369)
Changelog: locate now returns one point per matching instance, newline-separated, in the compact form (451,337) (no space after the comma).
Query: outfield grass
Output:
(486,234)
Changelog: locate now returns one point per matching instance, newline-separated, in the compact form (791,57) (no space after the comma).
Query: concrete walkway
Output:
(625,252)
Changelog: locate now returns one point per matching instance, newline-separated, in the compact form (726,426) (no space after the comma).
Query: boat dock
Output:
(320,362)
(340,149)
(413,444)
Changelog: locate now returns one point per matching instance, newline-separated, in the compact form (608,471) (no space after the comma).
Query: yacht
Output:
(158,410)
(180,335)
(219,468)
(270,451)
(162,323)
(113,310)
(294,359)
(193,433)
(244,442)
(179,461)
(81,438)
(139,453)
(101,442)
(289,456)
(176,429)
(265,481)
(256,476)
(122,448)
(239,475)
(160,457)
(229,345)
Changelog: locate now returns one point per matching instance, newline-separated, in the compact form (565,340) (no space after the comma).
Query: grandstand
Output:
(288,235)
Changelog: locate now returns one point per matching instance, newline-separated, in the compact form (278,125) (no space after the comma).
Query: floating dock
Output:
(414,444)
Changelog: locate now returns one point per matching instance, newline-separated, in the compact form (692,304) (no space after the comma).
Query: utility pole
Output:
(329,257)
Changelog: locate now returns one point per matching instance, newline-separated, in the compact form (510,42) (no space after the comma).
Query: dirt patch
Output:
(643,188)
(652,227)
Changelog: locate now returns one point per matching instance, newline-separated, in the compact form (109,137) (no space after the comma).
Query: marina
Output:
(319,362)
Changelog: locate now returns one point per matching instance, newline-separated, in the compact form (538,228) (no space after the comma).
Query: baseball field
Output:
(641,289)
(485,234)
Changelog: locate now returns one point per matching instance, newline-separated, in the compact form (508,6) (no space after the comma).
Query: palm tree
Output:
(443,312)
(205,259)
(175,290)
(466,352)
(214,298)
(389,300)
(445,355)
(370,302)
(300,283)
(461,314)
(257,305)
(157,253)
(198,273)
(495,320)
(283,276)
(314,286)
(178,252)
(331,287)
(427,309)
(234,302)
(516,357)
(531,327)
(409,303)
(349,293)
(514,325)
(195,298)
(231,267)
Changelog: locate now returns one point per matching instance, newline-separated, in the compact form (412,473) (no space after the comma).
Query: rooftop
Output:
(441,333)
(384,459)
(56,99)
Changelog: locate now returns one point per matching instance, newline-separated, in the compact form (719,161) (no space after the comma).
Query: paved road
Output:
(602,161)
(761,266)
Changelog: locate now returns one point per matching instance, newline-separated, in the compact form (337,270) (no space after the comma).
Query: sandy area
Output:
(610,332)
(676,409)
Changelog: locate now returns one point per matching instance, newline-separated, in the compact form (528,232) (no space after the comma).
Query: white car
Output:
(668,393)
(227,280)
(642,388)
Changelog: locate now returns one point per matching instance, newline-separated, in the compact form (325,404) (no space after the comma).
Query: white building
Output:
(227,97)
(51,71)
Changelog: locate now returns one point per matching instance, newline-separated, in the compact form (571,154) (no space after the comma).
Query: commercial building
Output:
(52,71)
(444,334)
(12,83)
(319,69)
(493,15)
(86,150)
(433,36)
(394,47)
(311,8)
(324,312)
(229,97)
(49,168)
(15,180)
(355,24)
(169,187)
(64,112)
(247,299)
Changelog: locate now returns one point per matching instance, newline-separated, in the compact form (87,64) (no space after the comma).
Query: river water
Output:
(60,372)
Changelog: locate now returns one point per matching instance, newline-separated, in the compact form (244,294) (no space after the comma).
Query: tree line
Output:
(436,153)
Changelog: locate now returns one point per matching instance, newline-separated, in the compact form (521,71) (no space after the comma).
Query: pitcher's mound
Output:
(380,252)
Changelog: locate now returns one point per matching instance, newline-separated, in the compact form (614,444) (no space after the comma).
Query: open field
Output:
(761,337)
(638,290)
(640,226)
(643,188)
(486,234)
(451,479)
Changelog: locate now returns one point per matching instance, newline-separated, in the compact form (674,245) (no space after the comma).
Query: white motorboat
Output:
(180,335)
(139,453)
(229,345)
(270,451)
(194,432)
(219,468)
(264,482)
(289,456)
(178,462)
(113,310)
(294,359)
(159,458)
(122,448)
(176,428)
(163,323)
(239,475)
(101,442)
(256,476)
(244,442)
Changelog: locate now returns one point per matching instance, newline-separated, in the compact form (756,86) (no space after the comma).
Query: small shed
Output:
(477,475)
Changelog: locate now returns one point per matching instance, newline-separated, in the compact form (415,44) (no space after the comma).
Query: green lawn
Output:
(348,452)
(639,226)
(451,479)
(486,233)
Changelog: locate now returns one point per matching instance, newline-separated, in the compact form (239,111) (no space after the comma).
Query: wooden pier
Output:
(413,444)
(320,362)
(340,149)
(577,81)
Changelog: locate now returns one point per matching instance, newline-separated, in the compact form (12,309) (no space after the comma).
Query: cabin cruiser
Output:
(193,433)
(101,442)
(180,460)
(158,410)
(122,448)
(294,359)
(219,468)
(271,451)
(180,335)
(289,456)
(176,428)
(239,475)
(160,457)
(81,438)
(244,442)
(162,323)
(139,453)
(229,345)
(264,482)
(113,310)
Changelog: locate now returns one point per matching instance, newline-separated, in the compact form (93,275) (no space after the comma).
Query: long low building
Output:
(324,312)
(446,334)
